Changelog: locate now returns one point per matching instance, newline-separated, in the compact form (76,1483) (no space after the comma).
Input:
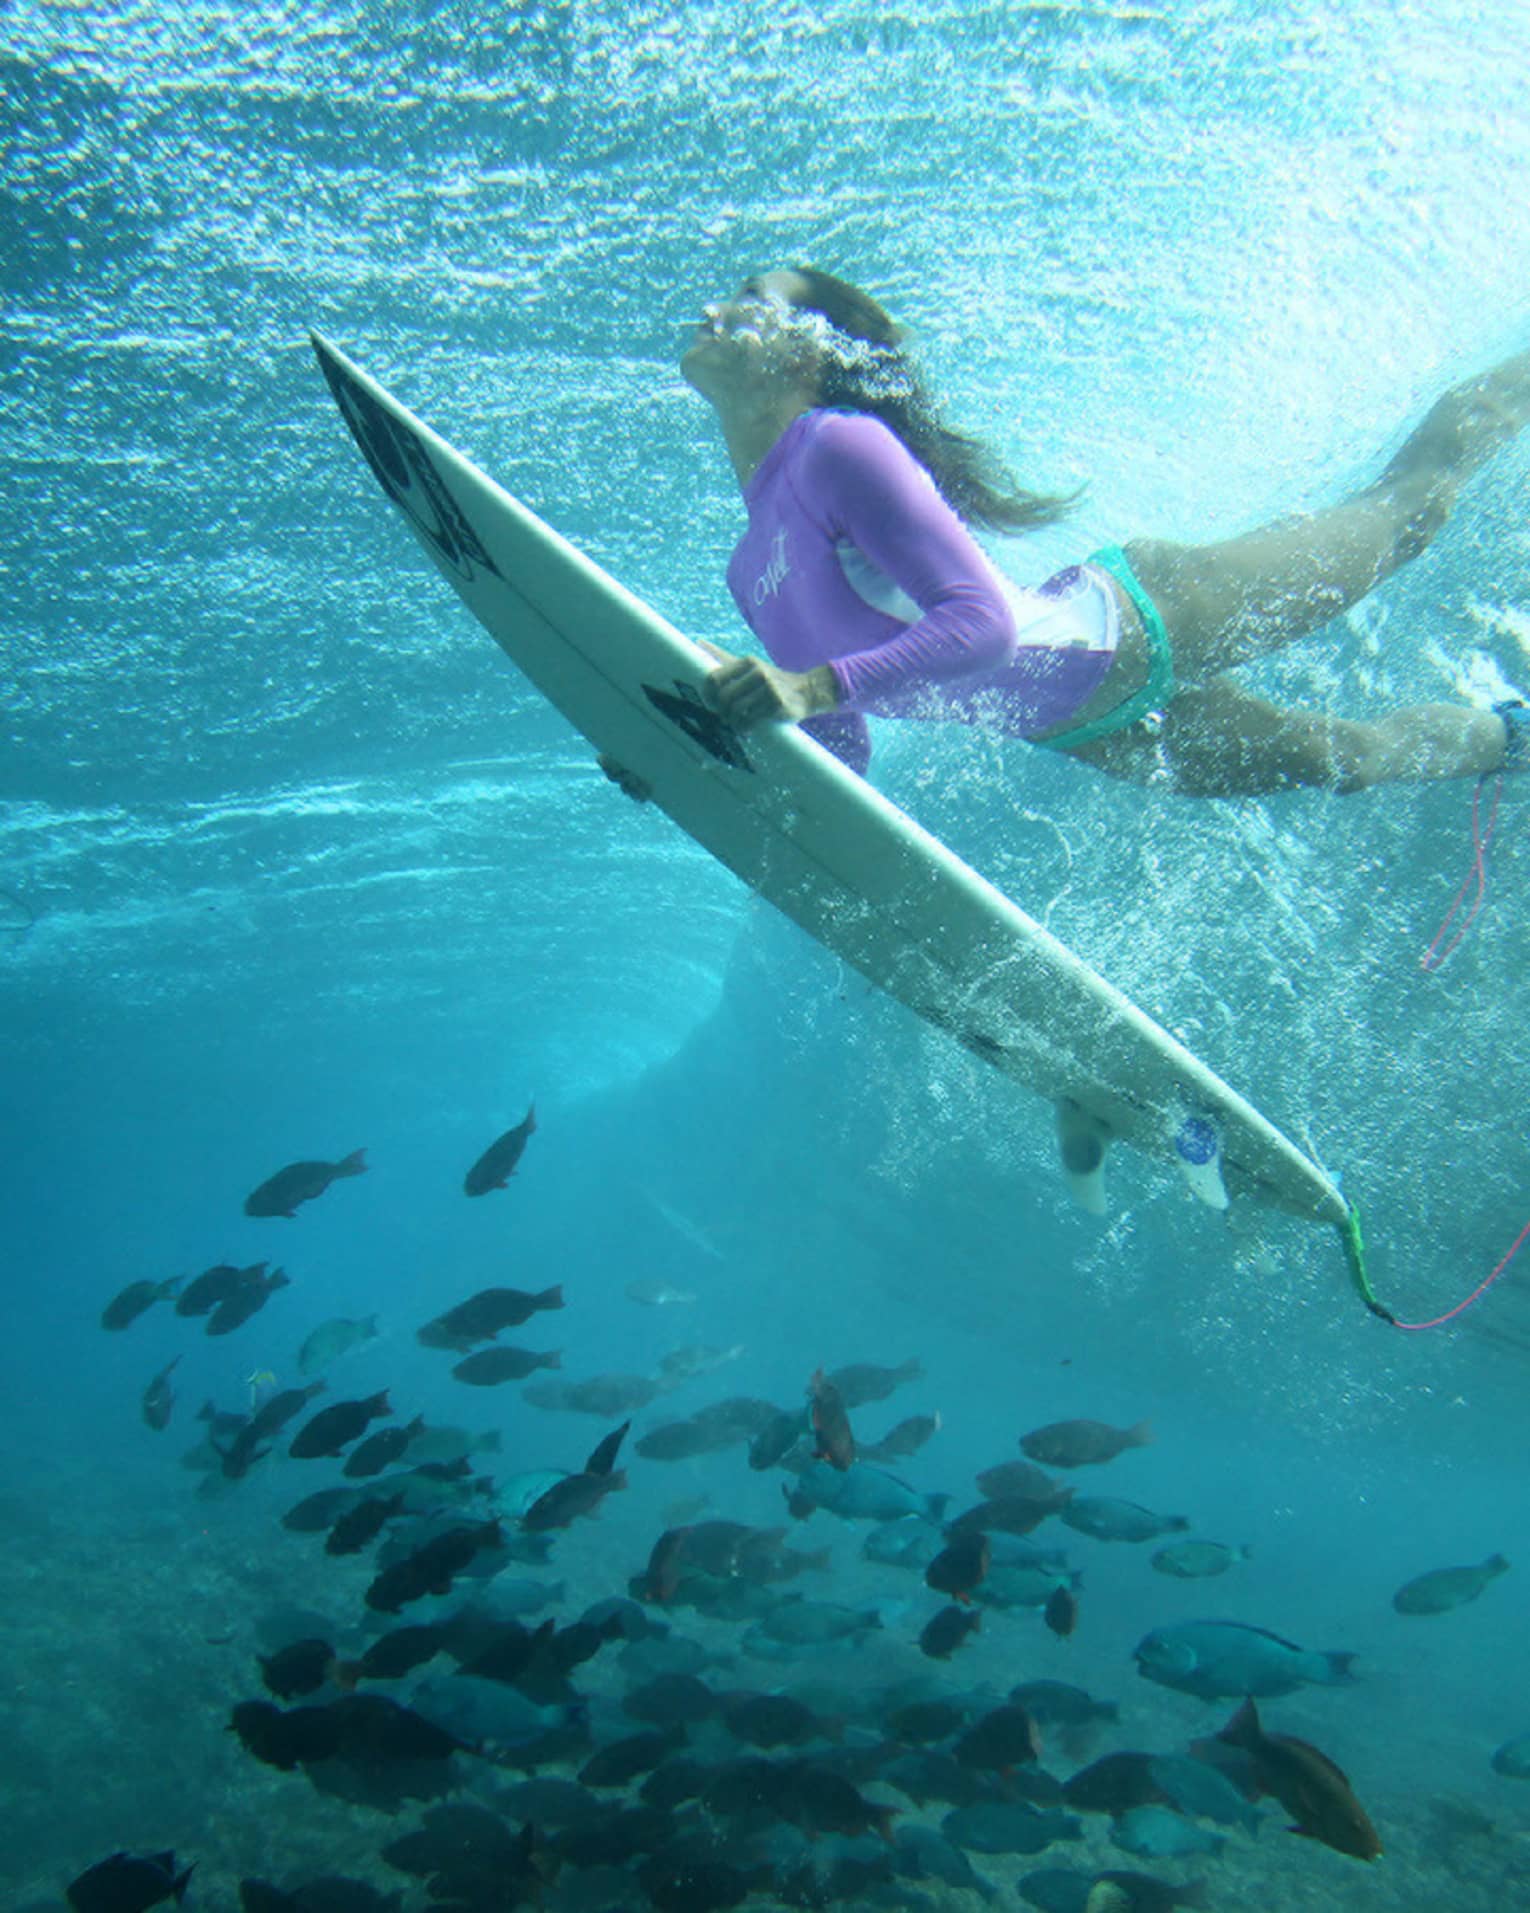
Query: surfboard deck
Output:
(800,828)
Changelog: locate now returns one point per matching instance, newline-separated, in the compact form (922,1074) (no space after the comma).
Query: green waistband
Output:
(1160,685)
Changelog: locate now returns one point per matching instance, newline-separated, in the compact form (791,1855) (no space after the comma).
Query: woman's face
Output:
(755,339)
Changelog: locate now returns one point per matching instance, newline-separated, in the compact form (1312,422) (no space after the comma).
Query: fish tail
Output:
(1496,1564)
(355,1164)
(182,1881)
(1340,1669)
(549,1298)
(1140,1434)
(530,1121)
(553,1358)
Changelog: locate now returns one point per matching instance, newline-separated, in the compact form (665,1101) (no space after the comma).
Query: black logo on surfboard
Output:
(702,725)
(403,468)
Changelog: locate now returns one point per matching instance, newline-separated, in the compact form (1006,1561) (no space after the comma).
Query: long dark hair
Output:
(867,369)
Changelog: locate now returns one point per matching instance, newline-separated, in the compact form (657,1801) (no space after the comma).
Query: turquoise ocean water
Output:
(295,863)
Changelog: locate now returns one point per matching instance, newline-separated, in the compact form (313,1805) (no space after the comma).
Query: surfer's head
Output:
(757,342)
(821,341)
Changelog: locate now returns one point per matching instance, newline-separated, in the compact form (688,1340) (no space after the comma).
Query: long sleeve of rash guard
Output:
(866,489)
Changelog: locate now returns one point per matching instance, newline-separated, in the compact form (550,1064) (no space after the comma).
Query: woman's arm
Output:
(861,484)
(868,487)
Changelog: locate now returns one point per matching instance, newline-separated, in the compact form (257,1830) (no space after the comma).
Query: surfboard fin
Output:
(1082,1140)
(1198,1151)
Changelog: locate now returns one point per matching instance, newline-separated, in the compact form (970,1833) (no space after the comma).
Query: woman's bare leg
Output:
(1227,604)
(1218,740)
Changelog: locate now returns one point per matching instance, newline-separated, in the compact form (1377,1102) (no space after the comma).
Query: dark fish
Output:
(1007,1826)
(689,1883)
(204,1292)
(502,1652)
(432,1568)
(945,1633)
(603,1395)
(491,1366)
(660,1581)
(778,1437)
(679,1441)
(1307,1784)
(1142,1893)
(381,1450)
(603,1455)
(241,1452)
(299,1669)
(473,1860)
(284,1738)
(902,1440)
(920,1722)
(274,1414)
(496,1165)
(833,1443)
(623,1760)
(314,1513)
(1444,1588)
(481,1317)
(394,1654)
(1019,1478)
(1061,1611)
(671,1700)
(361,1524)
(1109,1519)
(1081,1444)
(960,1565)
(279,1195)
(773,1720)
(1055,1703)
(1115,1783)
(674,1783)
(246,1297)
(124,1309)
(1009,1514)
(570,1498)
(129,1883)
(865,1382)
(736,1418)
(374,1730)
(819,1800)
(159,1399)
(1004,1737)
(332,1428)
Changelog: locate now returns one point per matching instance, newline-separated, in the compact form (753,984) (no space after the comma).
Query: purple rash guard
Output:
(853,559)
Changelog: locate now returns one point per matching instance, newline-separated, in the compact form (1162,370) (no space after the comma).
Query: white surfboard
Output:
(804,831)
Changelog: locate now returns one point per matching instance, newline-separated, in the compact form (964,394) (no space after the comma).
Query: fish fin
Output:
(355,1164)
(1243,1730)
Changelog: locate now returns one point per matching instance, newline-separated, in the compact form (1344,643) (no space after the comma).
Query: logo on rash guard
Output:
(773,576)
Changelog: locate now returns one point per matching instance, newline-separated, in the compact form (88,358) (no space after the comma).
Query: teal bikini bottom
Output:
(1159,687)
